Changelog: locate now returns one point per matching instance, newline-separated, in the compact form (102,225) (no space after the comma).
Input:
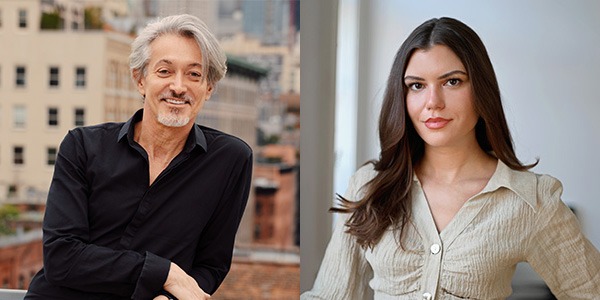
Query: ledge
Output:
(12,294)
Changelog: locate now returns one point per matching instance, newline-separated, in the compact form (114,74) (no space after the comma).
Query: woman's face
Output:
(440,98)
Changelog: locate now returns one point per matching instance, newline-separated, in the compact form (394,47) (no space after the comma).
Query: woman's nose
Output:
(435,99)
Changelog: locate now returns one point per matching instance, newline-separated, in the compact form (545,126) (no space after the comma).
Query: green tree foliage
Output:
(8,213)
(93,18)
(51,20)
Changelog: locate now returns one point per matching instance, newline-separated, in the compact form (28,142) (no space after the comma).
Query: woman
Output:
(448,210)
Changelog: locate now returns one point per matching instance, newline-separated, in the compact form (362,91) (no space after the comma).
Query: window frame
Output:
(79,117)
(18,156)
(51,154)
(53,77)
(19,116)
(20,77)
(53,117)
(80,78)
(22,18)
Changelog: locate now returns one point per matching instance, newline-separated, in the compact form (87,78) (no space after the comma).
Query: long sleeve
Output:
(70,260)
(558,251)
(214,252)
(344,272)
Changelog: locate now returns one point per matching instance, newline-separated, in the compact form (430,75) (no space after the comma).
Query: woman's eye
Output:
(415,86)
(453,82)
(196,74)
(163,72)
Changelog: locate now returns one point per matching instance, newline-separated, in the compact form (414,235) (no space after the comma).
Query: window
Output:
(51,156)
(75,18)
(54,74)
(52,116)
(18,155)
(20,76)
(22,18)
(79,117)
(19,116)
(80,77)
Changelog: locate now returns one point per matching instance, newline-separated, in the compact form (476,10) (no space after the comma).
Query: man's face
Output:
(174,87)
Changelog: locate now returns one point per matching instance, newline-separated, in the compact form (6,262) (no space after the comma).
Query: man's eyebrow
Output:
(168,62)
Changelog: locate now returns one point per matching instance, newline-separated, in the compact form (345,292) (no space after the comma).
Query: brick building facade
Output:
(20,259)
(251,279)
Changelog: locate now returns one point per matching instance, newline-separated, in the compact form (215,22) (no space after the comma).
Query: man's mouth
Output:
(175,101)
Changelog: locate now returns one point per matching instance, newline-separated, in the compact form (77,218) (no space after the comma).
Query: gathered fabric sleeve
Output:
(215,250)
(344,271)
(70,260)
(558,251)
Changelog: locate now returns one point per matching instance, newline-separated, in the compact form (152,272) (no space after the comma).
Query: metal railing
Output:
(12,294)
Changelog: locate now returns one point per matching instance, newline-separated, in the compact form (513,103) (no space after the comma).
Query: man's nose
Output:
(178,84)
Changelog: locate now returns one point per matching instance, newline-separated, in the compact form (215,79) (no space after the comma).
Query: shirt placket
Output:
(432,244)
(433,267)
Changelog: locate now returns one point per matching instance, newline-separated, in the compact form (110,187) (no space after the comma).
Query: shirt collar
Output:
(522,183)
(196,137)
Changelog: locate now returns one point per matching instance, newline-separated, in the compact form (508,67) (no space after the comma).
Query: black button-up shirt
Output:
(108,234)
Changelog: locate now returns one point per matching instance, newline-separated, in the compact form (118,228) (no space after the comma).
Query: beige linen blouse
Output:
(517,217)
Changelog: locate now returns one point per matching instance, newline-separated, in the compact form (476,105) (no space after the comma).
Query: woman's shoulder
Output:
(365,173)
(546,190)
(537,189)
(549,190)
(358,181)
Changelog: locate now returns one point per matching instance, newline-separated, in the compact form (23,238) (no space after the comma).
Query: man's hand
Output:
(161,297)
(183,286)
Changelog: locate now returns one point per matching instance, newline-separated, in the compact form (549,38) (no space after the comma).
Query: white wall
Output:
(546,54)
(317,55)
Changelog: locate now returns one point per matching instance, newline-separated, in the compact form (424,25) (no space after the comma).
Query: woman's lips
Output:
(436,123)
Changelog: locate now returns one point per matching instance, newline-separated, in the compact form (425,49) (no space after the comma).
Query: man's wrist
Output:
(168,295)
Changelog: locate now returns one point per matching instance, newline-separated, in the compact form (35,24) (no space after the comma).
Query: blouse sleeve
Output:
(558,251)
(344,272)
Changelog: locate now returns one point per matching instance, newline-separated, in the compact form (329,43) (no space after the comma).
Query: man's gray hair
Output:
(213,57)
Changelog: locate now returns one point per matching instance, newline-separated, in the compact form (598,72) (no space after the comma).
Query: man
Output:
(148,209)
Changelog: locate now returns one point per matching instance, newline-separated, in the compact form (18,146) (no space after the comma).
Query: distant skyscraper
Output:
(267,20)
(147,10)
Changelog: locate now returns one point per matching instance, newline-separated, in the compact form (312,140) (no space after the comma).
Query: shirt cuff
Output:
(153,276)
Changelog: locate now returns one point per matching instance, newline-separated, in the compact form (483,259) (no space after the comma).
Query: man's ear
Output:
(209,90)
(139,81)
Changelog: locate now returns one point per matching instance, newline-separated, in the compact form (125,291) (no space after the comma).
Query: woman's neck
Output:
(452,165)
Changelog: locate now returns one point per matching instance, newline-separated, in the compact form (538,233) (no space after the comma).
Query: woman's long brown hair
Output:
(387,199)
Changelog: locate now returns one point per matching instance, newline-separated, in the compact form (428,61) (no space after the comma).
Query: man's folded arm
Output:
(69,259)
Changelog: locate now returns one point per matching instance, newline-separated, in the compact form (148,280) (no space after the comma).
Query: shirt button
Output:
(435,249)
(427,296)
